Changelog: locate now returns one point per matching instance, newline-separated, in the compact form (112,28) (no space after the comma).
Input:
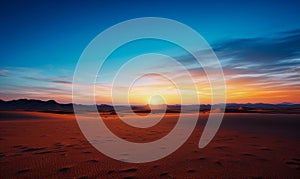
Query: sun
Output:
(156,100)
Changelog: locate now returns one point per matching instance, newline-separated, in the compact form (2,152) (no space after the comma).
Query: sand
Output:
(43,145)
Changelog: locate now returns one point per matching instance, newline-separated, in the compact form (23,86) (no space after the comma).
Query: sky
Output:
(257,43)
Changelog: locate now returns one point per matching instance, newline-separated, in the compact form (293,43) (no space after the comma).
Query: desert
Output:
(251,145)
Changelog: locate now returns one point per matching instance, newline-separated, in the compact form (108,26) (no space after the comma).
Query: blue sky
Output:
(42,40)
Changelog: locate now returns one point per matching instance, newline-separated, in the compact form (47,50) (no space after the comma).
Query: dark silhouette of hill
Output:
(263,108)
(263,105)
(55,107)
(46,106)
(36,105)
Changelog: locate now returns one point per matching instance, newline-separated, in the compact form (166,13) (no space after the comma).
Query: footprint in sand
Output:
(17,146)
(248,154)
(166,174)
(129,170)
(202,158)
(221,147)
(265,149)
(94,161)
(33,149)
(111,171)
(44,152)
(58,145)
(64,169)
(24,171)
(191,171)
(87,152)
(219,163)
(62,152)
(294,163)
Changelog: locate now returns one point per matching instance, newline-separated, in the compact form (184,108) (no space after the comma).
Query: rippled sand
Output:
(42,145)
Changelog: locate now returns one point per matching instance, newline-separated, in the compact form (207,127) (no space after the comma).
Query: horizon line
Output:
(281,103)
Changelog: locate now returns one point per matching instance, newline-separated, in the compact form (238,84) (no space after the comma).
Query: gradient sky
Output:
(258,44)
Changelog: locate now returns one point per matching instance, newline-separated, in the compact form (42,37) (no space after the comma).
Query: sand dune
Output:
(52,146)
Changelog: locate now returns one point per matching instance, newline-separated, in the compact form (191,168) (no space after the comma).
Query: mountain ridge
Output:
(53,106)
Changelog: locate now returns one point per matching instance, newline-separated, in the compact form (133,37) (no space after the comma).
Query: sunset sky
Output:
(257,43)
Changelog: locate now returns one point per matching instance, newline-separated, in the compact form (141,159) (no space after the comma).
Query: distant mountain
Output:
(262,105)
(46,106)
(35,105)
(54,107)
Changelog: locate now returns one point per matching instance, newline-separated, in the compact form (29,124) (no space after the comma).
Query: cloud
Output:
(267,51)
(262,58)
(62,82)
(278,54)
(253,68)
(24,82)
(55,79)
(3,73)
(256,66)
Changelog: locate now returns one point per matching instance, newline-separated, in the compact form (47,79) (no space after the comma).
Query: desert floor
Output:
(44,145)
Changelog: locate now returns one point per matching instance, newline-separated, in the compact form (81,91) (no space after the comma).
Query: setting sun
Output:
(156,100)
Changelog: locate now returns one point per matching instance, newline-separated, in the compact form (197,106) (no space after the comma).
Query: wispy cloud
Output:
(24,82)
(280,51)
(263,69)
(3,73)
